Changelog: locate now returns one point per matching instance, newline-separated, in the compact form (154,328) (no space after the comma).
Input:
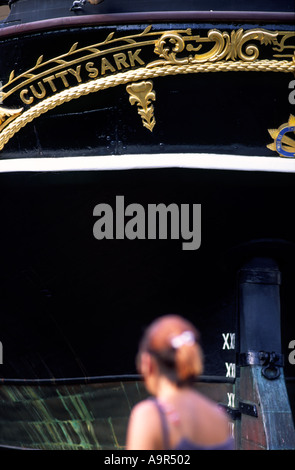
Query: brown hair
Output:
(180,363)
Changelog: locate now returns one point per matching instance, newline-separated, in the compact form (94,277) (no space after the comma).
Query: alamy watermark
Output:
(1,353)
(157,222)
(291,356)
(292,94)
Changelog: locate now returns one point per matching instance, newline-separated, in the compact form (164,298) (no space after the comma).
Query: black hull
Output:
(199,130)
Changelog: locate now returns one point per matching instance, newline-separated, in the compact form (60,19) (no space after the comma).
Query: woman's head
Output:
(173,343)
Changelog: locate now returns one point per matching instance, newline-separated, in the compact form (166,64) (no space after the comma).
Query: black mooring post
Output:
(266,418)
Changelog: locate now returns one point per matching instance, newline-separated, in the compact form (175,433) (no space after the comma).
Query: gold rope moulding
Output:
(283,66)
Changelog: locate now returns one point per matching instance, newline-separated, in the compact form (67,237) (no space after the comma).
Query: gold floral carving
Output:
(142,93)
(171,47)
(50,82)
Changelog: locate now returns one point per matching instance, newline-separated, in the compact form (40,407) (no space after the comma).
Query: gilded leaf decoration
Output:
(141,94)
(134,58)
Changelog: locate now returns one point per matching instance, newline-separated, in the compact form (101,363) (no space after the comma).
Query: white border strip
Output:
(145,161)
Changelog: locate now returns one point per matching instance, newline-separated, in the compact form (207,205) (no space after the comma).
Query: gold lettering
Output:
(93,72)
(134,57)
(120,60)
(76,73)
(50,81)
(106,65)
(42,90)
(24,98)
(62,75)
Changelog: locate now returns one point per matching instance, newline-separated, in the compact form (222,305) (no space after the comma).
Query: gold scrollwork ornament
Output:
(7,115)
(226,46)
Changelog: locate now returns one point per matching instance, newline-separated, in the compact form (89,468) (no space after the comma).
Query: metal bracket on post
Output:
(233,413)
(249,409)
(270,362)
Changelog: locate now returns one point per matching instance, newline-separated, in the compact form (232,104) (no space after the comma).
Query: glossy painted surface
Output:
(73,306)
(75,417)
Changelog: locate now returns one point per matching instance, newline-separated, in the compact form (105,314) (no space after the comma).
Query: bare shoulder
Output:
(144,410)
(143,428)
(214,407)
(209,409)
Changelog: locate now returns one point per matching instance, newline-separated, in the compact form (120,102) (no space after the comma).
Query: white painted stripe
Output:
(145,161)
